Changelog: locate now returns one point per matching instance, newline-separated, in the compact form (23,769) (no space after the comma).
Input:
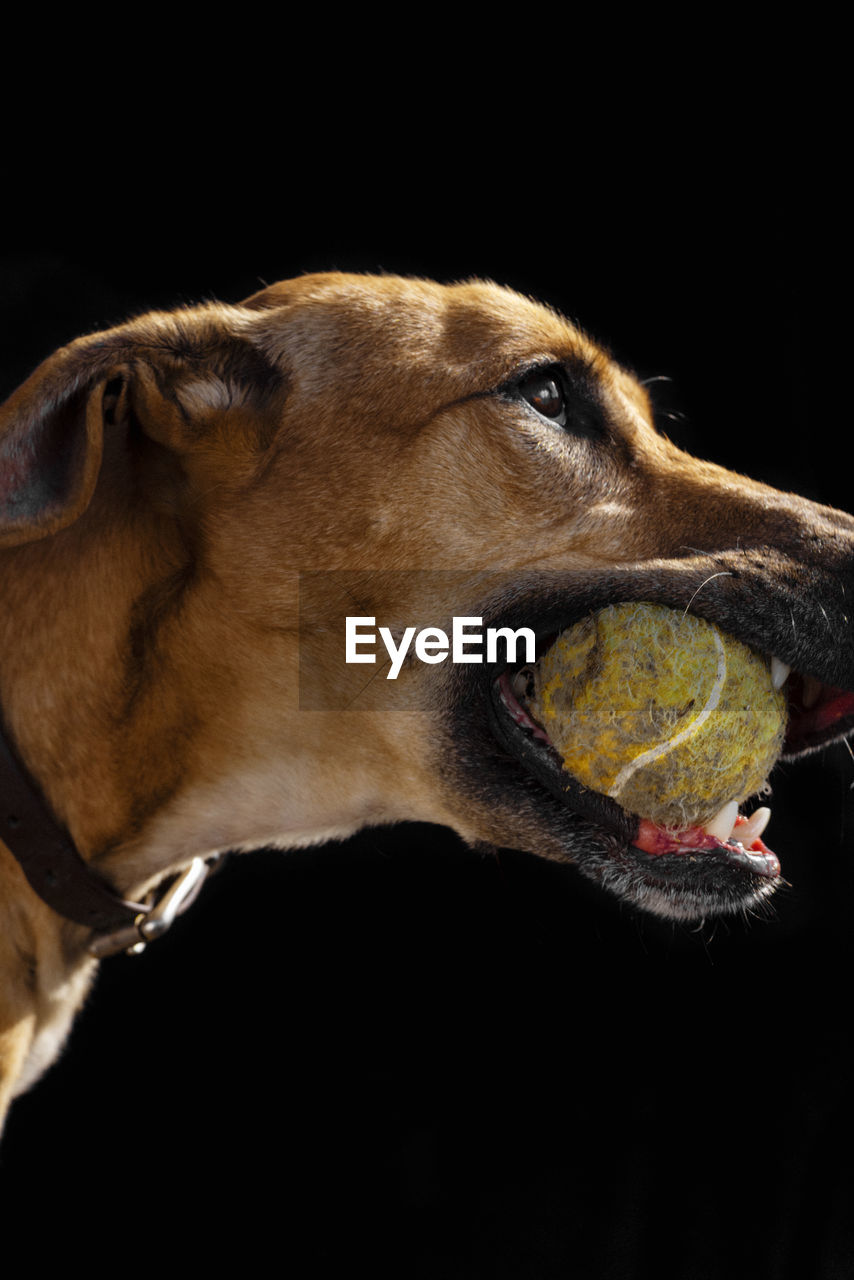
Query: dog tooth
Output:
(779,673)
(722,823)
(747,832)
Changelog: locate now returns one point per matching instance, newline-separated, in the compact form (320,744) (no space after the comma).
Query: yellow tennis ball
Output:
(661,711)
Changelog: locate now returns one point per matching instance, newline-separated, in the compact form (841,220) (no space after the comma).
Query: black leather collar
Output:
(55,870)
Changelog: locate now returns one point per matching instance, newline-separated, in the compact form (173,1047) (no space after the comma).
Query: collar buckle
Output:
(157,918)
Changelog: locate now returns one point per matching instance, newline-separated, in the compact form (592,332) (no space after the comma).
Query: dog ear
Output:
(51,436)
(171,376)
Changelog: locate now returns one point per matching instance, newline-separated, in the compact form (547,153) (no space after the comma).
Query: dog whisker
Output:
(850,751)
(722,574)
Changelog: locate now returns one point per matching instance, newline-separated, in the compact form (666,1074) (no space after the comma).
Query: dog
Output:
(193,502)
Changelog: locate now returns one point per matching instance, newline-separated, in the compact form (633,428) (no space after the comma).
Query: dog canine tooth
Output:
(779,672)
(747,832)
(722,824)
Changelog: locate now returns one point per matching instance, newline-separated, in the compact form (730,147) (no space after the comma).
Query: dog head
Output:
(423,451)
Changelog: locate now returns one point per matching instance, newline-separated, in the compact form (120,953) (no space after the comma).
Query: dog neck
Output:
(158,715)
(54,869)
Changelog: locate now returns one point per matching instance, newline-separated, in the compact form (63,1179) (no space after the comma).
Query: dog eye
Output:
(544,391)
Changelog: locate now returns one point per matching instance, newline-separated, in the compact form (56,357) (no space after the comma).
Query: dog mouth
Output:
(720,865)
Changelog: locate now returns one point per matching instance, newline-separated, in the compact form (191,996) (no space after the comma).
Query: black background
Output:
(393,1054)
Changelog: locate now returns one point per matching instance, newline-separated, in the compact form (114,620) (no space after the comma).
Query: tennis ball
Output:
(661,711)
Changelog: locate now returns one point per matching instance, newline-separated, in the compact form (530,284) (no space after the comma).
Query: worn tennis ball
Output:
(661,711)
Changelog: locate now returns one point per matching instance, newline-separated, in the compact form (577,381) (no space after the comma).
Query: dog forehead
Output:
(475,331)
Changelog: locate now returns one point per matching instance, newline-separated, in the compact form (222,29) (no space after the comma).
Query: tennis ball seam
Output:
(663,748)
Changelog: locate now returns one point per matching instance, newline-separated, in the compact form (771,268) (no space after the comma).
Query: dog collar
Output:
(54,868)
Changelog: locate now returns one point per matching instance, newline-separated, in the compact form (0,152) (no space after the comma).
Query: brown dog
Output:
(419,452)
